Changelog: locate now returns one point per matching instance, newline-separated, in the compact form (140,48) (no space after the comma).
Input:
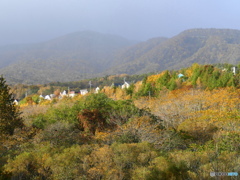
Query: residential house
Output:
(125,85)
(52,96)
(15,102)
(71,94)
(47,97)
(83,92)
(234,70)
(64,93)
(97,89)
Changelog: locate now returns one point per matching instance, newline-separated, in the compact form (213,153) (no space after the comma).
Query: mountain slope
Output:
(89,54)
(71,57)
(196,45)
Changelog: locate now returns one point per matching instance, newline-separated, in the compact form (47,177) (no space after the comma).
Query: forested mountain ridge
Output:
(67,58)
(195,45)
(88,54)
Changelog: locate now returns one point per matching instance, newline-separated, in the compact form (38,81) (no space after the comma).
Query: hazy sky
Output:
(24,21)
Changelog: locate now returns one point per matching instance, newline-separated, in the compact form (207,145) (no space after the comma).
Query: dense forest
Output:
(171,125)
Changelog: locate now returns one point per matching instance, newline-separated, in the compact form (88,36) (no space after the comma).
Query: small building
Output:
(234,70)
(180,75)
(47,97)
(72,94)
(52,96)
(125,85)
(97,89)
(83,92)
(64,93)
(15,102)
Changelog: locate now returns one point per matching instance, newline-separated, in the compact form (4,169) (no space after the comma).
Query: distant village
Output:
(125,85)
(71,94)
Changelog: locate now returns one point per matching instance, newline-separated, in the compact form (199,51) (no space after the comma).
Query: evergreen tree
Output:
(9,113)
(172,84)
(164,79)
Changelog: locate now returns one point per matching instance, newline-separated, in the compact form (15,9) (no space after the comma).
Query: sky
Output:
(30,21)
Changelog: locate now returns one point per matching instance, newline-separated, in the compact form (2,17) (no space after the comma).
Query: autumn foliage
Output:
(165,127)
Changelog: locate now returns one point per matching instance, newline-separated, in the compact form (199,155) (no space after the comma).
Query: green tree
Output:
(9,113)
(164,79)
(146,90)
(130,90)
(172,84)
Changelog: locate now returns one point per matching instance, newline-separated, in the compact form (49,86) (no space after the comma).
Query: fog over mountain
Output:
(89,54)
(74,56)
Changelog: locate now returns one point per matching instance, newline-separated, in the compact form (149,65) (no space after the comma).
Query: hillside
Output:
(89,54)
(197,45)
(75,56)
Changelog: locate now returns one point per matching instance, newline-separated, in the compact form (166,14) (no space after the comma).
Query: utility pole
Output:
(90,84)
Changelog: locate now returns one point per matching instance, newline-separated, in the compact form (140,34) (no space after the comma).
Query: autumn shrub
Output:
(60,134)
(127,157)
(70,163)
(39,121)
(30,164)
(121,111)
(98,101)
(228,141)
(92,120)
(129,136)
(200,129)
(63,113)
(98,112)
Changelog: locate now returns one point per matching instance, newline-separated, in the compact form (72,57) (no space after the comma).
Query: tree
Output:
(9,113)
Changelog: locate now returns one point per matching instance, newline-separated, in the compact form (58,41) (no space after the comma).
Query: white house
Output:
(125,85)
(15,102)
(52,96)
(97,89)
(72,94)
(47,97)
(64,93)
(83,91)
(234,70)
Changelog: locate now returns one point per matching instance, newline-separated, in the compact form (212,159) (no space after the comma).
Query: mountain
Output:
(71,57)
(89,54)
(196,45)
